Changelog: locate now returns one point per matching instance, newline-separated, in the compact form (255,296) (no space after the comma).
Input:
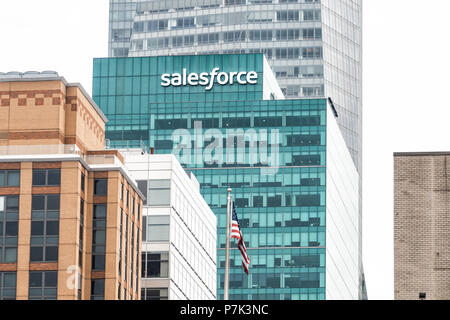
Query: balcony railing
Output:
(54,149)
(59,150)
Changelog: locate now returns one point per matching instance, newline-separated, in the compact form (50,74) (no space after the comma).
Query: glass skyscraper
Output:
(294,183)
(313,46)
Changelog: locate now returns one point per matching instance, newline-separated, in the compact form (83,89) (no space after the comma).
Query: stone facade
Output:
(52,125)
(422,226)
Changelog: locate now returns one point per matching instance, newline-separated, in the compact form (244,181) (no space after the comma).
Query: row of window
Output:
(236,36)
(238,122)
(221,19)
(146,7)
(297,72)
(291,260)
(49,177)
(274,281)
(43,285)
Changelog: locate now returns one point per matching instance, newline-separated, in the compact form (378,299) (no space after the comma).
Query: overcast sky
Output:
(406,64)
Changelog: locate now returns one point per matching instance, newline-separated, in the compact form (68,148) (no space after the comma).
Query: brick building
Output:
(422,225)
(70,214)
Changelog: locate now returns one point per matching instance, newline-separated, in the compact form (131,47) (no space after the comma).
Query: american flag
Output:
(237,234)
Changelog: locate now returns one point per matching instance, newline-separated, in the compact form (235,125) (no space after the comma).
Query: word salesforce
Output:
(207,79)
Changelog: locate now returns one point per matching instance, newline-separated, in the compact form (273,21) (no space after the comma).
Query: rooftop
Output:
(35,76)
(421,153)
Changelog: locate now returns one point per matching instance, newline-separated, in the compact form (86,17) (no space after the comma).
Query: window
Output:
(100,187)
(156,25)
(137,262)
(260,35)
(99,237)
(158,228)
(81,235)
(312,33)
(154,294)
(48,177)
(208,38)
(132,255)
(43,285)
(288,15)
(155,264)
(8,285)
(138,27)
(311,15)
(44,228)
(184,23)
(9,225)
(98,289)
(120,241)
(189,41)
(159,192)
(9,178)
(234,36)
(83,182)
(312,53)
(126,249)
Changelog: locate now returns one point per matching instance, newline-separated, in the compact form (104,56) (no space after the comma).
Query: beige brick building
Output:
(422,225)
(70,215)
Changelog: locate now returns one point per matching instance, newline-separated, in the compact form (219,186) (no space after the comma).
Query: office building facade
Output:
(180,230)
(64,199)
(313,46)
(294,183)
(421,225)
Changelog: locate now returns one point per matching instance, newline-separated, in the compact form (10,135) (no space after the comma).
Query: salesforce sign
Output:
(207,79)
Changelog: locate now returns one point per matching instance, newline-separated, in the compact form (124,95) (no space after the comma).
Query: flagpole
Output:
(227,251)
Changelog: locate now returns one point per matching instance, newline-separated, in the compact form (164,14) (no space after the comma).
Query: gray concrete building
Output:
(422,226)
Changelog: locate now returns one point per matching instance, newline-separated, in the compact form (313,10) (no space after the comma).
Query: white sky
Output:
(406,62)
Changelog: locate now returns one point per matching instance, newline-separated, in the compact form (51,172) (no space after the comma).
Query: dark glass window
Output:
(9,178)
(154,294)
(308,200)
(9,228)
(99,237)
(81,234)
(303,140)
(44,228)
(143,185)
(100,187)
(43,285)
(155,264)
(83,182)
(235,122)
(46,177)
(8,282)
(98,289)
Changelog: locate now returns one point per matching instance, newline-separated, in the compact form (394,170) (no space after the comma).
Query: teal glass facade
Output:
(282,213)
